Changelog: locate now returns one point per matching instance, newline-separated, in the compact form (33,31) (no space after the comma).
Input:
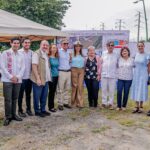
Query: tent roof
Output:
(13,25)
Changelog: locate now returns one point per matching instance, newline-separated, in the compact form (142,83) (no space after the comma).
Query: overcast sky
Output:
(87,14)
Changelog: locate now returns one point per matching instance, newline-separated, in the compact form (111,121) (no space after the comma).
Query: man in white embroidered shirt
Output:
(13,67)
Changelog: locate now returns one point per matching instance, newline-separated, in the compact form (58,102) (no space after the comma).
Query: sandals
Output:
(135,110)
(138,110)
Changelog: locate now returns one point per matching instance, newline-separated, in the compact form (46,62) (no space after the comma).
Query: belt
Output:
(64,70)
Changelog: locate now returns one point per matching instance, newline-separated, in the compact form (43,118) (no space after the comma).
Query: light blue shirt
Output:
(78,61)
(64,60)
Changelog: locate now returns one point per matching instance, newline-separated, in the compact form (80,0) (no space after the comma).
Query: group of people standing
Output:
(49,71)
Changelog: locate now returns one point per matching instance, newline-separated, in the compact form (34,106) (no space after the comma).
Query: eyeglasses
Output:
(110,45)
(65,43)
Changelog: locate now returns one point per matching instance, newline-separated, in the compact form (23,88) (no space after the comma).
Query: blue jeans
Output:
(40,96)
(92,88)
(123,85)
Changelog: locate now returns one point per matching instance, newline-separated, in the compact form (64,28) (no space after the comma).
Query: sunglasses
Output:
(110,45)
(65,43)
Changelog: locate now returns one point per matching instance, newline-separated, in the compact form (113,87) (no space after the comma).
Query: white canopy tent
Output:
(12,25)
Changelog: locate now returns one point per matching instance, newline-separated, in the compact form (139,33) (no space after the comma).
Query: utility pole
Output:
(120,24)
(145,16)
(102,26)
(139,26)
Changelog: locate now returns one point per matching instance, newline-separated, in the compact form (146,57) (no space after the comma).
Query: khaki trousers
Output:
(77,77)
(64,85)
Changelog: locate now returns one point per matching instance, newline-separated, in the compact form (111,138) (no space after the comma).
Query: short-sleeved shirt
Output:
(125,69)
(35,60)
(91,69)
(78,61)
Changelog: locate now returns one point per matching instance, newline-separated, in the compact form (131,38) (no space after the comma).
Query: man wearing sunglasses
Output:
(64,81)
(109,74)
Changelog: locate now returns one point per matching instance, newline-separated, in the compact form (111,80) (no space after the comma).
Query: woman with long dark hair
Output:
(77,76)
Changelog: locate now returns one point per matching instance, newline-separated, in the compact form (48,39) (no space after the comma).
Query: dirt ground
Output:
(86,129)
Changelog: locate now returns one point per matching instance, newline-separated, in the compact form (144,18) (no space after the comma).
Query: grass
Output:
(127,122)
(101,129)
(79,113)
(124,118)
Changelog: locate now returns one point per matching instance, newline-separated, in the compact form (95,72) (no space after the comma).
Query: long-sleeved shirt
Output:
(27,55)
(109,65)
(12,64)
(64,60)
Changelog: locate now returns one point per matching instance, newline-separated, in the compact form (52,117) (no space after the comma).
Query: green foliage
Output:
(46,12)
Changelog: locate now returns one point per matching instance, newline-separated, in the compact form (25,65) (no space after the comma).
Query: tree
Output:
(46,12)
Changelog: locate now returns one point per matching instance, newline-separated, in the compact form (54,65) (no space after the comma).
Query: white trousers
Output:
(108,90)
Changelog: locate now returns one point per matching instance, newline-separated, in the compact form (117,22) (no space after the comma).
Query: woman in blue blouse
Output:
(53,59)
(77,76)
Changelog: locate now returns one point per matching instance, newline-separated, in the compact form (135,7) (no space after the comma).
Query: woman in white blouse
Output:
(125,75)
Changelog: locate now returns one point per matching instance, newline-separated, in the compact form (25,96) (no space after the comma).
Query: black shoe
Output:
(39,114)
(29,112)
(60,107)
(16,118)
(53,110)
(46,113)
(67,106)
(6,122)
(21,114)
(148,113)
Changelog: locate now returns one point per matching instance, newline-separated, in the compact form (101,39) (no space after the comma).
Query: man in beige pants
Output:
(64,81)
